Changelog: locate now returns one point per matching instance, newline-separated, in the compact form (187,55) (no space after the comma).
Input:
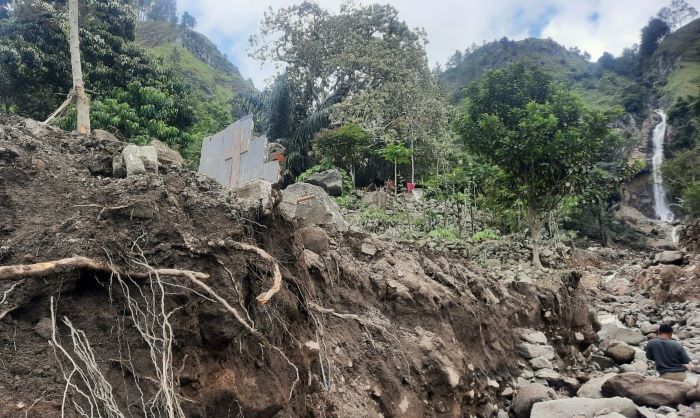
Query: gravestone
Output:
(235,157)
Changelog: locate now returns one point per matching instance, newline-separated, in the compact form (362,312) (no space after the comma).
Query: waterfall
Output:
(663,211)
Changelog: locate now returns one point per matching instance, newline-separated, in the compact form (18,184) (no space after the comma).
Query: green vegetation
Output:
(346,146)
(541,136)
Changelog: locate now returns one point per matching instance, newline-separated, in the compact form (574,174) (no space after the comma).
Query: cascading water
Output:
(663,211)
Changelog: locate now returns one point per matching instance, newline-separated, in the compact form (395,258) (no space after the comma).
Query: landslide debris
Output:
(395,331)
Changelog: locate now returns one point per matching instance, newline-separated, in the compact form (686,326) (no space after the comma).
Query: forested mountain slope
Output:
(599,87)
(676,63)
(194,57)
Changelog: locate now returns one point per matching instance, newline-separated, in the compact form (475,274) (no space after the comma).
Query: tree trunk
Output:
(352,175)
(82,100)
(413,165)
(603,226)
(396,177)
(535,225)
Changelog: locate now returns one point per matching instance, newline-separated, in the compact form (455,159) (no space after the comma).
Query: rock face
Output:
(669,257)
(330,180)
(306,205)
(528,396)
(621,352)
(650,391)
(140,160)
(579,407)
(166,155)
(611,332)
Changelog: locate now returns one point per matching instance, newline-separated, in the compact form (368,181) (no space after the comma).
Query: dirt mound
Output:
(401,332)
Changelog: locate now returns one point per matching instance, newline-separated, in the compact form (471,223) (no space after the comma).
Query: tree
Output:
(455,59)
(396,154)
(677,14)
(345,146)
(362,65)
(188,21)
(541,136)
(652,35)
(82,100)
(163,11)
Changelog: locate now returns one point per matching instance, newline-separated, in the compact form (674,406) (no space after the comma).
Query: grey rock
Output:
(576,407)
(611,332)
(166,155)
(602,362)
(44,328)
(620,352)
(529,395)
(314,238)
(368,249)
(330,180)
(649,391)
(140,160)
(694,319)
(101,135)
(529,351)
(669,257)
(592,388)
(378,199)
(306,204)
(533,337)
(547,374)
(540,363)
(258,193)
(649,328)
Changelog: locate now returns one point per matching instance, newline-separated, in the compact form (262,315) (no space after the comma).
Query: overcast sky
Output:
(592,25)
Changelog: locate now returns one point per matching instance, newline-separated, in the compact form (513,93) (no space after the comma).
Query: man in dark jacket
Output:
(669,355)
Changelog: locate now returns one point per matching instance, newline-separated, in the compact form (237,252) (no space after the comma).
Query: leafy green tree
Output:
(396,154)
(345,146)
(541,136)
(652,35)
(677,14)
(121,78)
(163,11)
(362,65)
(188,21)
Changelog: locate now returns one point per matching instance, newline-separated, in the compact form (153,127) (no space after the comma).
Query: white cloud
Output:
(450,24)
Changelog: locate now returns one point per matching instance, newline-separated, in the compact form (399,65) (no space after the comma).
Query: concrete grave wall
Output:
(234,158)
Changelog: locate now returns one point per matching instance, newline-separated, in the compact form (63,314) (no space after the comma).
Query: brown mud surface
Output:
(402,333)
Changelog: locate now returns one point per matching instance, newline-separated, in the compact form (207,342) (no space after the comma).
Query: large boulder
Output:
(592,388)
(669,257)
(166,155)
(101,135)
(306,205)
(330,180)
(528,396)
(140,160)
(533,337)
(620,352)
(694,319)
(578,407)
(611,332)
(313,238)
(529,351)
(649,391)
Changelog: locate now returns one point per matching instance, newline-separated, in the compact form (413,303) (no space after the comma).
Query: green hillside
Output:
(598,87)
(676,63)
(194,57)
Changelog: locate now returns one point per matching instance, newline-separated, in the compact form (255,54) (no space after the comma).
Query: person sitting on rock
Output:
(669,355)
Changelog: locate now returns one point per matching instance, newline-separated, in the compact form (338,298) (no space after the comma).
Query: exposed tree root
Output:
(264,298)
(84,263)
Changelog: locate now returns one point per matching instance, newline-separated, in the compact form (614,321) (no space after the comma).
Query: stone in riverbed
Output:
(529,395)
(577,407)
(669,257)
(540,363)
(611,332)
(650,391)
(620,352)
(592,388)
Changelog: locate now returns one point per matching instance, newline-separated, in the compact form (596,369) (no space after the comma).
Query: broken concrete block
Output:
(330,180)
(166,155)
(140,160)
(306,204)
(258,193)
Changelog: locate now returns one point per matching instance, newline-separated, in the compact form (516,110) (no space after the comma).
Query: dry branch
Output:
(84,263)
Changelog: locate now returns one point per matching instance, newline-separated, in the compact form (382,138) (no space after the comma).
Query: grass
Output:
(683,82)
